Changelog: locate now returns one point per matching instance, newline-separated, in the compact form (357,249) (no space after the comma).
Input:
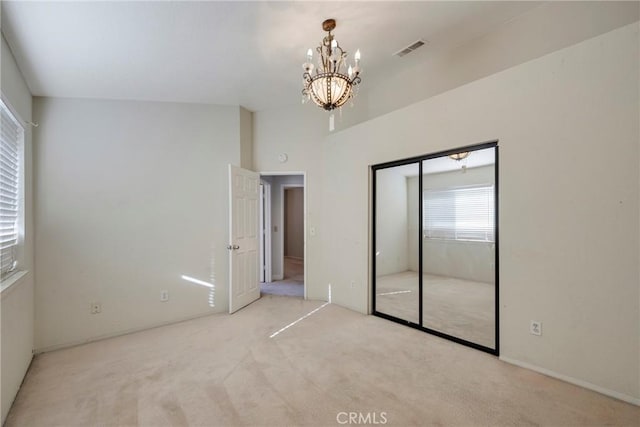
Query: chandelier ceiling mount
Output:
(329,25)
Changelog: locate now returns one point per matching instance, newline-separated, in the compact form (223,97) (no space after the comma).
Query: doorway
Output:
(283,244)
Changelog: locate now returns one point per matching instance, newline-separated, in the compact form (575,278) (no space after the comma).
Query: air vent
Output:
(410,48)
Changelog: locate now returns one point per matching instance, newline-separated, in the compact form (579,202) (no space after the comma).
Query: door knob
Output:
(233,247)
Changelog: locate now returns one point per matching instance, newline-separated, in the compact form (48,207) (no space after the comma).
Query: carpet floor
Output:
(248,369)
(292,284)
(457,307)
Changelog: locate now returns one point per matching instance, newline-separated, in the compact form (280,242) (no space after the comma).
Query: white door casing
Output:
(243,246)
(265,233)
(261,269)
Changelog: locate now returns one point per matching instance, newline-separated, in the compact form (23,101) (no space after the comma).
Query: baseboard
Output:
(120,333)
(585,384)
(276,277)
(295,257)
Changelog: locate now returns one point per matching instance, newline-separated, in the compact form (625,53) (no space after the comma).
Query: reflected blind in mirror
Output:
(460,213)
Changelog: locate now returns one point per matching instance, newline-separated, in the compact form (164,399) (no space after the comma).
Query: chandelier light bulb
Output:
(309,54)
(357,56)
(334,44)
(350,71)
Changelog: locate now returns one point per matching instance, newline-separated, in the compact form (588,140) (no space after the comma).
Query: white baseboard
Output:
(575,381)
(276,277)
(121,333)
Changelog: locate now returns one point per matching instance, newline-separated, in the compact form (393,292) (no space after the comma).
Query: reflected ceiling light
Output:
(329,87)
(459,156)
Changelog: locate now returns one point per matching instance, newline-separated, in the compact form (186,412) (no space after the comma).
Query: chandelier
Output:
(459,156)
(329,87)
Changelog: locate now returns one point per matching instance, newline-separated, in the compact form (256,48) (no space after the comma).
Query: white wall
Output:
(16,302)
(278,183)
(294,222)
(297,131)
(391,221)
(569,201)
(453,258)
(246,139)
(130,196)
(563,121)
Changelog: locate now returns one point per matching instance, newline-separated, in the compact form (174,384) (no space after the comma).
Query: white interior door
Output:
(243,246)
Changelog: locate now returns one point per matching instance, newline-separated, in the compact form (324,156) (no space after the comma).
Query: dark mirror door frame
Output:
(419,325)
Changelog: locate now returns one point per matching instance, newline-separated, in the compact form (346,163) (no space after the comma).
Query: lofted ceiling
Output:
(228,53)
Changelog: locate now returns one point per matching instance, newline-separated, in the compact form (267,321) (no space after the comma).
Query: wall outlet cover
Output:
(536,327)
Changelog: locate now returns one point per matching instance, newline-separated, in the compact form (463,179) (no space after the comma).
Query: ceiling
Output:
(228,53)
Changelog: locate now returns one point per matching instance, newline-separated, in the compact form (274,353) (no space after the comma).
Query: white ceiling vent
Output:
(413,46)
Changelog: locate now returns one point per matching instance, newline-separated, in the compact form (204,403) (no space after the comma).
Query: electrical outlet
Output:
(353,284)
(535,328)
(96,308)
(164,296)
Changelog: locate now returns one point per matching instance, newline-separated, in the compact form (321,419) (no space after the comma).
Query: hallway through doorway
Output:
(283,242)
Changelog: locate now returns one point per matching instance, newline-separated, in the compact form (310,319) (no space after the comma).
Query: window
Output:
(461,213)
(11,140)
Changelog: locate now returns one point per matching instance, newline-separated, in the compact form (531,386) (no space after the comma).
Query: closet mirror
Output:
(435,244)
(397,290)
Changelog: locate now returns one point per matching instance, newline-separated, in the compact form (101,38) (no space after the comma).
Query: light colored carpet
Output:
(293,283)
(283,288)
(225,370)
(457,307)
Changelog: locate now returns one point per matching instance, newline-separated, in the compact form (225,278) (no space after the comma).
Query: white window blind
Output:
(464,213)
(11,134)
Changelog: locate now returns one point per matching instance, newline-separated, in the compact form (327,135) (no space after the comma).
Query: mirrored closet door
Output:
(435,244)
(396,271)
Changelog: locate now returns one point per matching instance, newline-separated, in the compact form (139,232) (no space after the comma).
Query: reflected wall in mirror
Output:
(397,285)
(435,248)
